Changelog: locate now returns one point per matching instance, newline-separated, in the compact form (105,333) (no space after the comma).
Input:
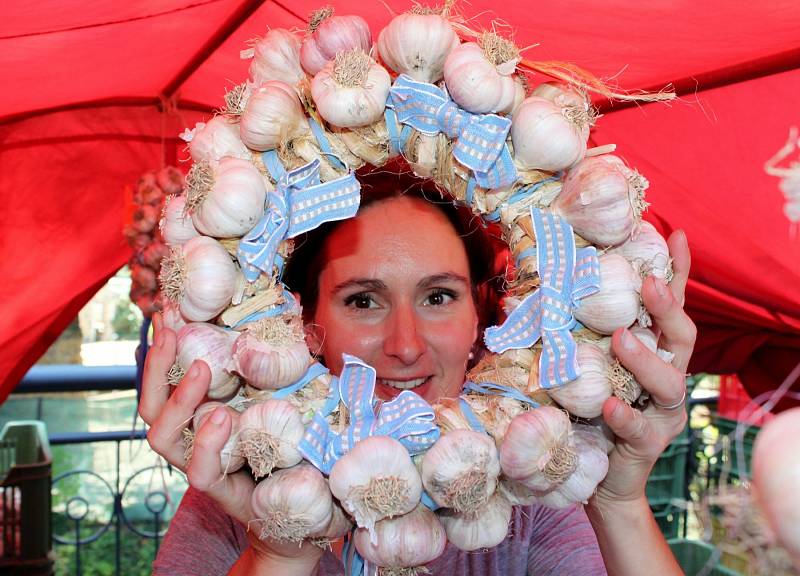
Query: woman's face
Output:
(395,291)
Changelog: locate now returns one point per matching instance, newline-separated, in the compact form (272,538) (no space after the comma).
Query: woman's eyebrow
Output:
(443,278)
(362,283)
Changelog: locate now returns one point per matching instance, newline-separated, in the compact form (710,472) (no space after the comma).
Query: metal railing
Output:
(79,512)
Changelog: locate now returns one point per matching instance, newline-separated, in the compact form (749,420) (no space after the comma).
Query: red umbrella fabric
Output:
(95,93)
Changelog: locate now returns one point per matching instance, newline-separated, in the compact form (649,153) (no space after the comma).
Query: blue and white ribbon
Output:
(408,419)
(492,389)
(480,138)
(298,204)
(566,275)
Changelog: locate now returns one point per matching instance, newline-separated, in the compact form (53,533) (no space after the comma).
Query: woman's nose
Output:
(403,338)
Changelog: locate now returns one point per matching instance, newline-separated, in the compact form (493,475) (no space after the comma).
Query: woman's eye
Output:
(361,301)
(439,298)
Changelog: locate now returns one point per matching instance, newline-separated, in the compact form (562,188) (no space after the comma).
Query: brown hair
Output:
(482,244)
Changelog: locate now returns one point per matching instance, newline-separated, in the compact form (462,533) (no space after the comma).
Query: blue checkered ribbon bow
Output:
(298,204)
(481,138)
(408,419)
(566,275)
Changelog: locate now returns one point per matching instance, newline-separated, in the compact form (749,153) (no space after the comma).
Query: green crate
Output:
(669,519)
(694,556)
(726,459)
(668,479)
(25,475)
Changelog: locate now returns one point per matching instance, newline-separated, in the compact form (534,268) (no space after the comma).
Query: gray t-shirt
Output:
(204,541)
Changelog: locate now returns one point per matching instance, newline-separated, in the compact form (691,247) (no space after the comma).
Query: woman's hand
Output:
(169,414)
(643,435)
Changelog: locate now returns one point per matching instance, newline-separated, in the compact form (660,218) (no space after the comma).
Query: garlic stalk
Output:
(225,199)
(212,345)
(351,90)
(483,529)
(292,504)
(271,352)
(200,277)
(270,433)
(460,470)
(417,44)
(537,450)
(406,541)
(376,480)
(618,303)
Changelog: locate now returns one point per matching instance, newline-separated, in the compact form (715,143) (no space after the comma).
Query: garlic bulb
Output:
(271,353)
(176,226)
(516,493)
(276,56)
(376,480)
(231,459)
(273,115)
(480,77)
(292,504)
(602,199)
(154,253)
(214,139)
(618,302)
(417,45)
(537,450)
(339,526)
(585,396)
(171,316)
(590,446)
(170,180)
(225,198)
(212,345)
(460,470)
(270,433)
(405,541)
(351,90)
(329,35)
(200,277)
(484,529)
(548,136)
(648,252)
(562,94)
(495,413)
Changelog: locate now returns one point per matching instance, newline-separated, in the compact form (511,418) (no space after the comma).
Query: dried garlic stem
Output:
(318,16)
(199,182)
(261,450)
(175,374)
(395,571)
(384,495)
(468,491)
(284,525)
(173,275)
(235,101)
(276,331)
(497,49)
(638,184)
(562,463)
(188,444)
(623,383)
(351,67)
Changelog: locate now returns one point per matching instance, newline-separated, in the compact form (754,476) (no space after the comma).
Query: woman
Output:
(396,288)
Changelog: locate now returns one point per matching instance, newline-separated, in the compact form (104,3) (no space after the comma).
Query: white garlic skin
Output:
(618,303)
(176,226)
(597,199)
(212,345)
(273,115)
(484,529)
(230,458)
(585,396)
(412,539)
(475,83)
(209,281)
(455,454)
(268,366)
(590,446)
(214,139)
(351,106)
(375,457)
(516,493)
(417,45)
(529,443)
(299,493)
(545,137)
(277,57)
(235,202)
(648,252)
(562,94)
(282,423)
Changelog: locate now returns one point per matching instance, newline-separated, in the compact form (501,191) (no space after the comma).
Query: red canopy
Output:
(95,94)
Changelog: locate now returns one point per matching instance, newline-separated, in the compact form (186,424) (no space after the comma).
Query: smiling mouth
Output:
(403,384)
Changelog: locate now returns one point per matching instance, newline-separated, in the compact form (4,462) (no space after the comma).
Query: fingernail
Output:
(628,340)
(194,370)
(218,416)
(661,287)
(617,411)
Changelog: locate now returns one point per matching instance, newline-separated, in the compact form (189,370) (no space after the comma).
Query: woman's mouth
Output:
(409,384)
